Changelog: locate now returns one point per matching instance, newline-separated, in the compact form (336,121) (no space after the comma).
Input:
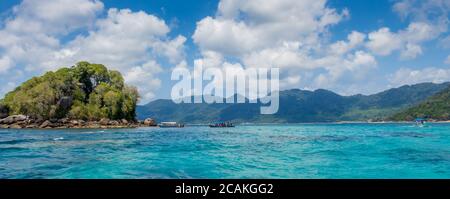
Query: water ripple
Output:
(266,151)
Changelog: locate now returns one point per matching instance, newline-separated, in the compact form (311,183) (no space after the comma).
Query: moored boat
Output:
(222,125)
(171,125)
(420,122)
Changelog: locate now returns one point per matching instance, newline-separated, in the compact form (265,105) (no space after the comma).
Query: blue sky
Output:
(347,46)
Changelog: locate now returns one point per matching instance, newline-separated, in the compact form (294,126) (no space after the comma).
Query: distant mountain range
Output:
(298,106)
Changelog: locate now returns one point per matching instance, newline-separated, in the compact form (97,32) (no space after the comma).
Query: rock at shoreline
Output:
(104,121)
(63,121)
(76,122)
(15,126)
(32,126)
(149,122)
(45,124)
(13,119)
(114,123)
(22,121)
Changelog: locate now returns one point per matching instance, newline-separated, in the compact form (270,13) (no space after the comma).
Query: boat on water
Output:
(170,125)
(420,122)
(222,125)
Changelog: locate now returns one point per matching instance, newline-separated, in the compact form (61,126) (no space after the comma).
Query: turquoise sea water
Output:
(261,151)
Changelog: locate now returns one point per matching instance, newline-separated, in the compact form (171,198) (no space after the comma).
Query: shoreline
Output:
(25,122)
(340,122)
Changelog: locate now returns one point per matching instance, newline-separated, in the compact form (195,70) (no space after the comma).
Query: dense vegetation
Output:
(436,107)
(299,106)
(84,91)
(3,111)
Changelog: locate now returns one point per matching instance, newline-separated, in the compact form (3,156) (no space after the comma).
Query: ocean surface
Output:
(333,151)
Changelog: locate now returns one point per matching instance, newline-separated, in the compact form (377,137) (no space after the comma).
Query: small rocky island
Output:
(83,96)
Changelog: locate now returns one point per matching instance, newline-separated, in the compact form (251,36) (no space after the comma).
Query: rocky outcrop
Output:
(45,124)
(13,119)
(149,122)
(104,121)
(22,121)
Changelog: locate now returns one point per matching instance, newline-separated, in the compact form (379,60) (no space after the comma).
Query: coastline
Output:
(338,122)
(24,122)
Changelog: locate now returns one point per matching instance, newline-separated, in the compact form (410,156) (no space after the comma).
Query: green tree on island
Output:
(84,91)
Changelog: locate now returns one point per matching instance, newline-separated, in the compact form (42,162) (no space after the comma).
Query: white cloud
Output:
(31,33)
(419,10)
(53,17)
(384,42)
(406,76)
(285,56)
(288,34)
(210,59)
(5,64)
(172,49)
(417,32)
(122,40)
(351,69)
(225,36)
(242,27)
(145,75)
(430,19)
(131,42)
(411,51)
(355,39)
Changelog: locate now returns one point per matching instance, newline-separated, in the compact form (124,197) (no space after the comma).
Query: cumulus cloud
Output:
(383,42)
(292,35)
(54,17)
(124,40)
(419,10)
(411,51)
(145,75)
(288,34)
(35,39)
(33,30)
(242,27)
(5,64)
(355,39)
(406,76)
(349,70)
(429,20)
